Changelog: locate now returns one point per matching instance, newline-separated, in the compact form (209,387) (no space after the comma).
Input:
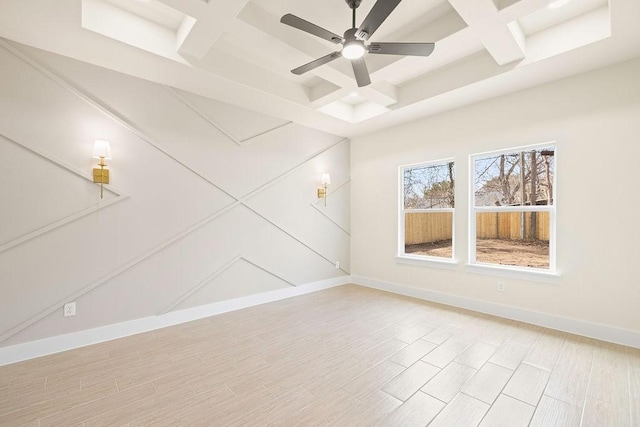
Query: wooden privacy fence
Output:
(433,227)
(427,227)
(508,225)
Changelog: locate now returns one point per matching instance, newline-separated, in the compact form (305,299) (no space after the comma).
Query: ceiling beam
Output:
(193,8)
(218,17)
(503,41)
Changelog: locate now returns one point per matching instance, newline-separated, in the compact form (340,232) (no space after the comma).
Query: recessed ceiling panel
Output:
(152,10)
(548,17)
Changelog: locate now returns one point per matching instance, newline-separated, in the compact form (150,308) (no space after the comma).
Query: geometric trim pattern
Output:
(315,204)
(122,121)
(70,218)
(212,276)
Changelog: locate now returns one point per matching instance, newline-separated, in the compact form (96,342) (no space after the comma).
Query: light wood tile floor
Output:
(346,356)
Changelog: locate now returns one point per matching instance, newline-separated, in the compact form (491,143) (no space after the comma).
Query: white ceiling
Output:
(238,51)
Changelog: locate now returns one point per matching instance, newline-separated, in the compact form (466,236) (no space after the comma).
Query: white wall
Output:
(595,119)
(193,215)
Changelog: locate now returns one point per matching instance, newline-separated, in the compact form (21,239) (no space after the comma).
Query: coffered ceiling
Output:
(237,51)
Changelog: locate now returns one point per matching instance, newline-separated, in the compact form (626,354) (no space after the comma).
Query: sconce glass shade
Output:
(101,149)
(326,179)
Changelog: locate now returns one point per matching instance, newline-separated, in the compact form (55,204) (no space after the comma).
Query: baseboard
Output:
(578,327)
(43,347)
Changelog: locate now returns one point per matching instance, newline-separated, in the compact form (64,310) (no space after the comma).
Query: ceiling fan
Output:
(353,46)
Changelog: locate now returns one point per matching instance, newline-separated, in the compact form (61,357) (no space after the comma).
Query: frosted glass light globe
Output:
(353,50)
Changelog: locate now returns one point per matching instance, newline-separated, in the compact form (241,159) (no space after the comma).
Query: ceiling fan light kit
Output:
(353,42)
(353,47)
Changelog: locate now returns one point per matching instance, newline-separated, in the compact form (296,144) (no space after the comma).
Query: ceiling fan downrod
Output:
(353,5)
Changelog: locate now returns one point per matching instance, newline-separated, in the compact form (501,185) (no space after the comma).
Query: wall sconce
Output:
(102,151)
(322,191)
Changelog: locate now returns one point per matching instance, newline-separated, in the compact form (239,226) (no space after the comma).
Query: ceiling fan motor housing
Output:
(353,4)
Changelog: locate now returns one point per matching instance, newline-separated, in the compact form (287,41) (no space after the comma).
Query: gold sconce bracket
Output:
(321,192)
(101,176)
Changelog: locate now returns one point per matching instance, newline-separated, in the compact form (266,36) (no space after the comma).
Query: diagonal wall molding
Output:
(195,288)
(126,124)
(118,271)
(196,110)
(66,220)
(93,285)
(217,126)
(314,204)
(265,132)
(212,276)
(109,112)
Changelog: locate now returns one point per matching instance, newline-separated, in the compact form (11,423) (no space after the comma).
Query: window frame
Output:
(512,271)
(404,258)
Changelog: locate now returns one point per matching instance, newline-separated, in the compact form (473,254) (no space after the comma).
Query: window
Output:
(512,221)
(426,210)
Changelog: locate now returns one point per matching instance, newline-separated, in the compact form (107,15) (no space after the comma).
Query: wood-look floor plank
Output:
(18,399)
(172,412)
(135,409)
(634,373)
(418,410)
(487,383)
(555,413)
(609,380)
(444,353)
(438,335)
(449,381)
(570,376)
(476,355)
(369,410)
(414,334)
(463,411)
(409,381)
(330,357)
(80,413)
(527,383)
(509,355)
(598,413)
(373,379)
(323,411)
(508,412)
(281,410)
(59,404)
(545,351)
(635,413)
(413,352)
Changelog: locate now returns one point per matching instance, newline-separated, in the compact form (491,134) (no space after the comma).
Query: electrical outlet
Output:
(70,309)
(337,264)
(500,286)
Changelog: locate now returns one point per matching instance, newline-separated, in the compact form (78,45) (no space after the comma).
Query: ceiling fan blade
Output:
(310,28)
(415,49)
(361,72)
(315,64)
(380,11)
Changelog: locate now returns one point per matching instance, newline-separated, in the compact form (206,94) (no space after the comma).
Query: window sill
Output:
(445,263)
(514,273)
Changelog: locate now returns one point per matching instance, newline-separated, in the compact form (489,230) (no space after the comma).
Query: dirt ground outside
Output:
(523,253)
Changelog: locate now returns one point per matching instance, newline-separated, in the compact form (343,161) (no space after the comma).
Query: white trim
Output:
(525,208)
(43,347)
(403,257)
(429,210)
(100,204)
(510,150)
(547,276)
(428,261)
(574,326)
(523,273)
